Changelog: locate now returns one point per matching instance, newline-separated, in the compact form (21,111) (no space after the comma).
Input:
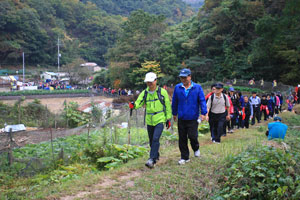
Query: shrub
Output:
(203,128)
(245,89)
(261,173)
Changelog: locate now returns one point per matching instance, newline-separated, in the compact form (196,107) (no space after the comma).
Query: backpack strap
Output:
(212,99)
(161,99)
(145,96)
(225,99)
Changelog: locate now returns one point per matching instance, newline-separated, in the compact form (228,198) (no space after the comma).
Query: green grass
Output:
(195,180)
(198,179)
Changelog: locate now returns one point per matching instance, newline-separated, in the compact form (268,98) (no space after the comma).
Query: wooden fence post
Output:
(10,155)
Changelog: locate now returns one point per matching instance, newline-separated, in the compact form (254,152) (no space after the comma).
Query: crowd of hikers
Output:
(224,110)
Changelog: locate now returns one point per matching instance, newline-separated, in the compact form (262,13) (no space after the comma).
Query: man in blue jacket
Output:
(188,97)
(276,129)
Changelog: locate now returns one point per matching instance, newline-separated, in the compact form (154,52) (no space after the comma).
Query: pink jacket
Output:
(277,101)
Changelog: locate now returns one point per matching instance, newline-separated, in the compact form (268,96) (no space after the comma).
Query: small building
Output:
(49,76)
(55,76)
(93,67)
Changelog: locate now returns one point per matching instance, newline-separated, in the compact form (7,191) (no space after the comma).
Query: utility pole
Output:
(23,68)
(58,54)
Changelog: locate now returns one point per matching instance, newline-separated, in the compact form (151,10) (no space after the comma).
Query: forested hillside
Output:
(173,10)
(228,39)
(33,26)
(85,29)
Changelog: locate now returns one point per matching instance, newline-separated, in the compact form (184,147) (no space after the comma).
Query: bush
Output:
(112,155)
(203,128)
(261,173)
(245,89)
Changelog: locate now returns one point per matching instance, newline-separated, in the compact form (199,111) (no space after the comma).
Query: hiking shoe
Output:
(216,142)
(182,161)
(150,163)
(197,153)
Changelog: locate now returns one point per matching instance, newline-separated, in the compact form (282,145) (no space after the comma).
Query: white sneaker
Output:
(197,153)
(182,161)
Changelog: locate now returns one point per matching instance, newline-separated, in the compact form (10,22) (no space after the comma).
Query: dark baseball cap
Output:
(184,72)
(219,85)
(277,118)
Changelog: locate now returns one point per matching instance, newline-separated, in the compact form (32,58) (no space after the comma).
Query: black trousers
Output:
(217,121)
(265,114)
(188,129)
(256,113)
(245,122)
(226,123)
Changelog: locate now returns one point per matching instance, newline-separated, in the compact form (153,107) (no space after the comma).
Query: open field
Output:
(56,105)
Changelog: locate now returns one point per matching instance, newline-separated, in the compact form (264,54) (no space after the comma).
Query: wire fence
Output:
(29,153)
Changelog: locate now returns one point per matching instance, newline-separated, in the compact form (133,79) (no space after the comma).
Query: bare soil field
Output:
(56,105)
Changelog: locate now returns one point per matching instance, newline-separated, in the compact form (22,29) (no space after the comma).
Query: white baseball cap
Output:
(150,77)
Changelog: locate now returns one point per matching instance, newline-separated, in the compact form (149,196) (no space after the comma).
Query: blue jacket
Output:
(187,107)
(277,130)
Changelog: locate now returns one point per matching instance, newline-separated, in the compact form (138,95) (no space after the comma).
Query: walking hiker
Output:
(270,106)
(264,107)
(188,98)
(158,112)
(236,102)
(247,112)
(217,114)
(274,84)
(213,89)
(255,103)
(298,94)
(227,124)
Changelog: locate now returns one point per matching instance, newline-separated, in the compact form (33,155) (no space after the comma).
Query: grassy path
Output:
(195,180)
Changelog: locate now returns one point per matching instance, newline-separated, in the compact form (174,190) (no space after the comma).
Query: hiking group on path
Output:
(190,106)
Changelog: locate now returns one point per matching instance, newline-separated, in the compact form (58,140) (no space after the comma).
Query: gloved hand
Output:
(168,124)
(131,105)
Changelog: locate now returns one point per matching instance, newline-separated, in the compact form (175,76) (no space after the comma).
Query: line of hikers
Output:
(190,106)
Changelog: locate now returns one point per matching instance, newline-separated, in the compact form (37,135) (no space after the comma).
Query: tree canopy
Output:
(227,39)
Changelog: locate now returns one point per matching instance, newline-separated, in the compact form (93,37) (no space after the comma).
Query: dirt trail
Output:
(101,188)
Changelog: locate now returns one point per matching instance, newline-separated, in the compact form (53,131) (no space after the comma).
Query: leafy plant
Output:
(203,128)
(261,173)
(169,136)
(74,117)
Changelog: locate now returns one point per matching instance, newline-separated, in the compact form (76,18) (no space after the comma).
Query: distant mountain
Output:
(194,3)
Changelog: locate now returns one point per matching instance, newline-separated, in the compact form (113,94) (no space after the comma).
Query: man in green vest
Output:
(158,112)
